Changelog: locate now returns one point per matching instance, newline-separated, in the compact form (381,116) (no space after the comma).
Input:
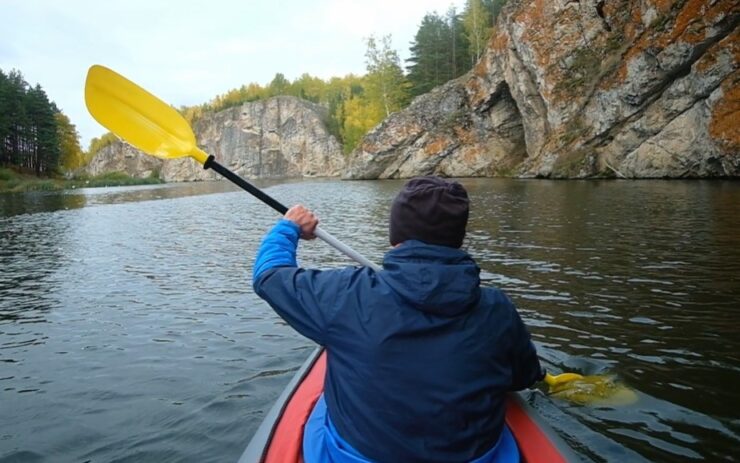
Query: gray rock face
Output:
(580,89)
(121,157)
(279,137)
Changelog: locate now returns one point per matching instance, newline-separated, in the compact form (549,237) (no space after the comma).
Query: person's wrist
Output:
(292,224)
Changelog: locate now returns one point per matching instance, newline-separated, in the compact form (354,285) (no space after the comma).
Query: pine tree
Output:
(5,120)
(429,66)
(43,155)
(439,52)
(459,44)
(494,8)
(16,140)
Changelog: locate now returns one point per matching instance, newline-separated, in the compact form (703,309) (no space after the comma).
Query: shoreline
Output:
(15,182)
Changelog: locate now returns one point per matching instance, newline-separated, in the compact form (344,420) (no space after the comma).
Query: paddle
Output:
(156,128)
(590,390)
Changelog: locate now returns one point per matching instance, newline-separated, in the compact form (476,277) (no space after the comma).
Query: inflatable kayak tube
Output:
(279,437)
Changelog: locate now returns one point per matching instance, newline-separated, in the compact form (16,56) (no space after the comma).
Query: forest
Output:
(37,138)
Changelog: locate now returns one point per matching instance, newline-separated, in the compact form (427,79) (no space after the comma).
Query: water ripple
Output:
(131,310)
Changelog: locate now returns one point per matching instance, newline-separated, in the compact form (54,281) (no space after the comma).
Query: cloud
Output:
(189,51)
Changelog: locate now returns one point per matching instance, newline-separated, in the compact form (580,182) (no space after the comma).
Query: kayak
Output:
(280,436)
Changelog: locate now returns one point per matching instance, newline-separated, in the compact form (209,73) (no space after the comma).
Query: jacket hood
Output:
(439,280)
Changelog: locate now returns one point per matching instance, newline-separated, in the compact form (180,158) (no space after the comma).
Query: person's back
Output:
(419,356)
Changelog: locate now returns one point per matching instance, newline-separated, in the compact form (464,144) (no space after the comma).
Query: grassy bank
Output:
(14,182)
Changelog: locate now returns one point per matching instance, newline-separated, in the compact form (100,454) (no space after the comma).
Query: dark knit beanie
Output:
(431,210)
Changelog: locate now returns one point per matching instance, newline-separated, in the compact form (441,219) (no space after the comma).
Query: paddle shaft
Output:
(211,163)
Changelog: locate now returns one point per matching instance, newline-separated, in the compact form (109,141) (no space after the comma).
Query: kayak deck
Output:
(280,437)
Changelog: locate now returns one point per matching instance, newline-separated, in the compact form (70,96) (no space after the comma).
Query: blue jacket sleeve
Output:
(305,299)
(526,368)
(278,248)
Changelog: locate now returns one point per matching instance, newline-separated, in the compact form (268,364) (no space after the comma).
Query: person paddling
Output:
(419,355)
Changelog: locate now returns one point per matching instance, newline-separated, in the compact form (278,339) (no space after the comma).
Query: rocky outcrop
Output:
(279,137)
(580,88)
(121,157)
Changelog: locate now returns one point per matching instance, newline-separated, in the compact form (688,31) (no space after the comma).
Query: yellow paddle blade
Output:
(138,117)
(561,378)
(590,390)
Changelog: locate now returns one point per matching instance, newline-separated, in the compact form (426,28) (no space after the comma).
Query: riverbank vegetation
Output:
(38,139)
(14,181)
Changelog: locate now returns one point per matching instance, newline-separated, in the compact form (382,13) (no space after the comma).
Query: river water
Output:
(129,330)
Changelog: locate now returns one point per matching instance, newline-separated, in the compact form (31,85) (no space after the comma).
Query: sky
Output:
(187,52)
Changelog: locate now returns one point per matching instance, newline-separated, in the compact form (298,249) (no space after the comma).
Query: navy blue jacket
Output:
(420,357)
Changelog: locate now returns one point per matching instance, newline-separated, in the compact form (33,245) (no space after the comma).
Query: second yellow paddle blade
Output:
(594,390)
(137,116)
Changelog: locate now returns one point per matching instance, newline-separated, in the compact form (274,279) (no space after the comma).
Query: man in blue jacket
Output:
(419,356)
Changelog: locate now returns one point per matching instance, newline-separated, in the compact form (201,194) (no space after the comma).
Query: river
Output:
(129,330)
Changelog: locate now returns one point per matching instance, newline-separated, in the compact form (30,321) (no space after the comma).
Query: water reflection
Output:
(37,201)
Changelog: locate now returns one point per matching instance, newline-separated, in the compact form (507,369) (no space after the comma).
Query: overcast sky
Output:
(186,51)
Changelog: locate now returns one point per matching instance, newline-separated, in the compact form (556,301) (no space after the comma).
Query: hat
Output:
(432,210)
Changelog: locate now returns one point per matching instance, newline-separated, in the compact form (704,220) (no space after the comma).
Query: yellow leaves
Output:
(360,116)
(71,156)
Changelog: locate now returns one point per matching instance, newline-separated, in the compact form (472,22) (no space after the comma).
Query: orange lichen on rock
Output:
(724,125)
(436,146)
(477,91)
(689,26)
(499,41)
(471,153)
(535,20)
(663,6)
(710,57)
(633,27)
(464,135)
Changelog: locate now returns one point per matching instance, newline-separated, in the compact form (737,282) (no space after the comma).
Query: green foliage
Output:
(494,8)
(28,126)
(13,181)
(477,22)
(71,155)
(6,174)
(439,52)
(111,179)
(386,84)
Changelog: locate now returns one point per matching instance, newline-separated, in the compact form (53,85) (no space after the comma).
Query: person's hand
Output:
(305,219)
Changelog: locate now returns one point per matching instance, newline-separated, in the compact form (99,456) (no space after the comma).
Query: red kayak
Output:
(280,436)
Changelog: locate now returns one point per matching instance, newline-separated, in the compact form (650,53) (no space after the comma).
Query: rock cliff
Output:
(279,137)
(121,157)
(580,88)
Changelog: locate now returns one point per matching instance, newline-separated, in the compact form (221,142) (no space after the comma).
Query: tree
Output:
(459,44)
(17,120)
(477,23)
(359,118)
(279,85)
(386,84)
(71,156)
(429,63)
(308,88)
(494,8)
(438,52)
(43,151)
